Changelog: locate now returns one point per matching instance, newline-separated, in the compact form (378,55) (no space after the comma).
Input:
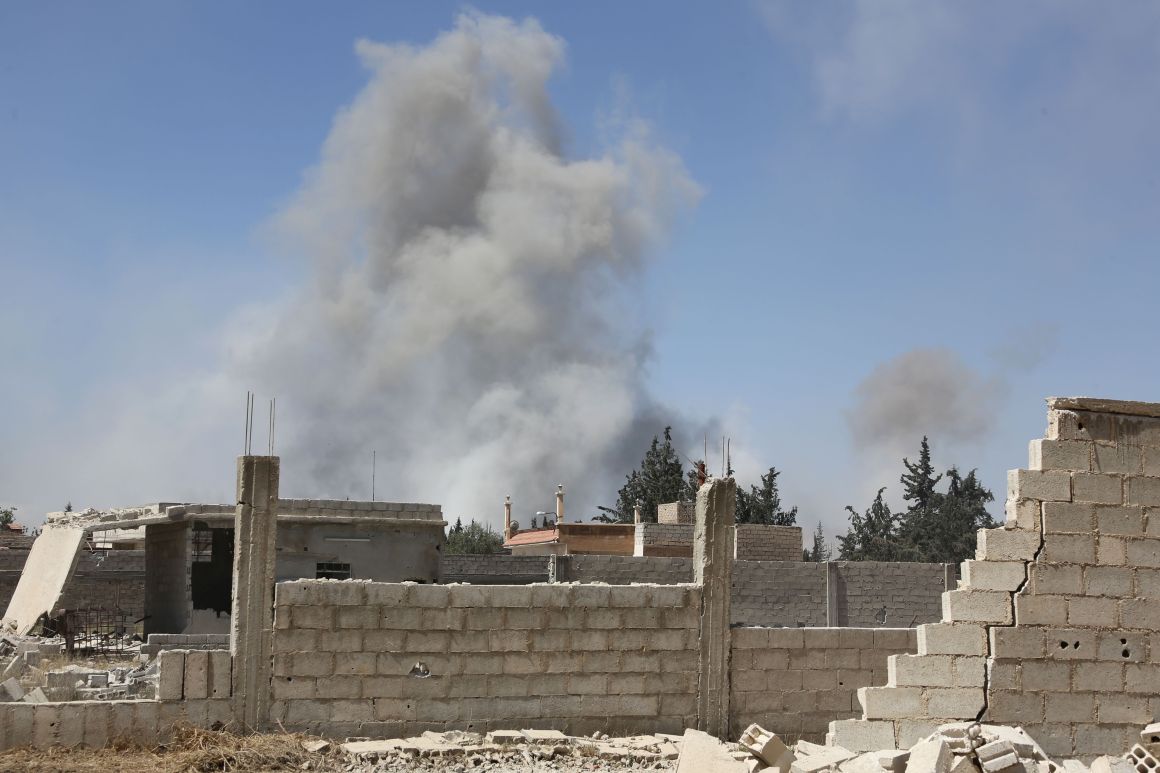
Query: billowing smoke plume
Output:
(467,315)
(923,392)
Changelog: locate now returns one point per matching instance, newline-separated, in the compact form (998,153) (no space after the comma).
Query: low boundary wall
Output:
(355,658)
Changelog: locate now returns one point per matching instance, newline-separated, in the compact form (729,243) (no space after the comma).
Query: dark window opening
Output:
(212,573)
(331,571)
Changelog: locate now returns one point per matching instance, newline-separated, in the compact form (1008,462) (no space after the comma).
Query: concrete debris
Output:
(11,690)
(961,747)
(702,753)
(508,750)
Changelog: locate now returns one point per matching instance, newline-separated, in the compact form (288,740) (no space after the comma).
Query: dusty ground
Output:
(201,750)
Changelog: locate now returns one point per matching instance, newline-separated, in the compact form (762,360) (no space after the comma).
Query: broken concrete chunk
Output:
(930,756)
(11,690)
(766,746)
(893,760)
(965,764)
(316,746)
(1108,764)
(702,753)
(36,695)
(544,736)
(506,737)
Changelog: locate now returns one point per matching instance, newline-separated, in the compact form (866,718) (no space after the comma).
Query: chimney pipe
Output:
(559,504)
(507,517)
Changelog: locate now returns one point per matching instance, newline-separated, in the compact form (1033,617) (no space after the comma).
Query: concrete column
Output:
(559,505)
(636,512)
(507,517)
(252,622)
(713,571)
(832,595)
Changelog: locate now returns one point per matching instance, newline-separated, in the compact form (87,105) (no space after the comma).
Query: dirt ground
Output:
(203,750)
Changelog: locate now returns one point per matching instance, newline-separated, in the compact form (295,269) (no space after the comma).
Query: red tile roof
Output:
(532,537)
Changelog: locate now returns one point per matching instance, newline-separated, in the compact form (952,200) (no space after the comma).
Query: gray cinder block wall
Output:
(168,559)
(354,658)
(1055,625)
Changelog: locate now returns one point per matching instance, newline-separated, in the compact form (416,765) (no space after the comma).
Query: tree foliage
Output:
(476,538)
(937,526)
(820,551)
(763,504)
(659,479)
(7,515)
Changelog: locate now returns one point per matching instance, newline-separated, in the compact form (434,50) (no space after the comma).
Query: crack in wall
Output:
(1022,586)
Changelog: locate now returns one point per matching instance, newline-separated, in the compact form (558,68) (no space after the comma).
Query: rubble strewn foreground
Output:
(961,747)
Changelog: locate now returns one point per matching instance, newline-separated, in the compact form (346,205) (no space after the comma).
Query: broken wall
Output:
(168,564)
(114,578)
(354,658)
(1055,625)
(758,542)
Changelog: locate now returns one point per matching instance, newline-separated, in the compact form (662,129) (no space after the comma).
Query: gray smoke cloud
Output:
(923,392)
(468,314)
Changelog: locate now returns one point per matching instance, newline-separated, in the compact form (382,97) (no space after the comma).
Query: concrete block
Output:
(1111,551)
(1060,455)
(1018,642)
(862,735)
(1143,491)
(919,671)
(170,674)
(1093,612)
(955,702)
(11,690)
(1068,549)
(891,702)
(1023,513)
(1097,488)
(930,756)
(1044,485)
(1068,517)
(1118,458)
(994,575)
(1114,581)
(971,606)
(952,639)
(1055,579)
(196,681)
(1006,545)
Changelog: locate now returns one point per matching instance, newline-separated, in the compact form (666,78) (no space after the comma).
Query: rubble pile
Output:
(25,677)
(510,750)
(962,747)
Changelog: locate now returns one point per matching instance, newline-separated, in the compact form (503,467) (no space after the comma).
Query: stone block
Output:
(861,735)
(1055,579)
(1143,552)
(1020,641)
(1111,551)
(1097,488)
(1023,513)
(1046,676)
(1114,581)
(1068,549)
(891,702)
(1044,485)
(1118,458)
(1068,517)
(1139,614)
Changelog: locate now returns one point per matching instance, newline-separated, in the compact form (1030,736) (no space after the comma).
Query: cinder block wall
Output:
(758,542)
(795,681)
(904,594)
(355,658)
(787,593)
(116,580)
(495,569)
(624,570)
(1055,626)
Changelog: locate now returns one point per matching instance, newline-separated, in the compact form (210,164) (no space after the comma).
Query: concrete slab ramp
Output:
(50,564)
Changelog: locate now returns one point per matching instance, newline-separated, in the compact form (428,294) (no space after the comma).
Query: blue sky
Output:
(962,199)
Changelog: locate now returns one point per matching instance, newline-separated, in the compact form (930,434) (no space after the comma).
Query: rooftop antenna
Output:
(729,456)
(374,463)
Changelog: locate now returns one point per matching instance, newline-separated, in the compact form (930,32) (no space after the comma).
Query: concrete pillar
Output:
(559,505)
(636,512)
(252,622)
(950,577)
(832,595)
(713,570)
(507,517)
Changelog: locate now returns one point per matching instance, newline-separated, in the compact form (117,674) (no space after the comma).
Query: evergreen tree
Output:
(68,507)
(763,505)
(872,536)
(918,490)
(962,512)
(476,538)
(458,527)
(695,472)
(660,479)
(820,552)
(7,515)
